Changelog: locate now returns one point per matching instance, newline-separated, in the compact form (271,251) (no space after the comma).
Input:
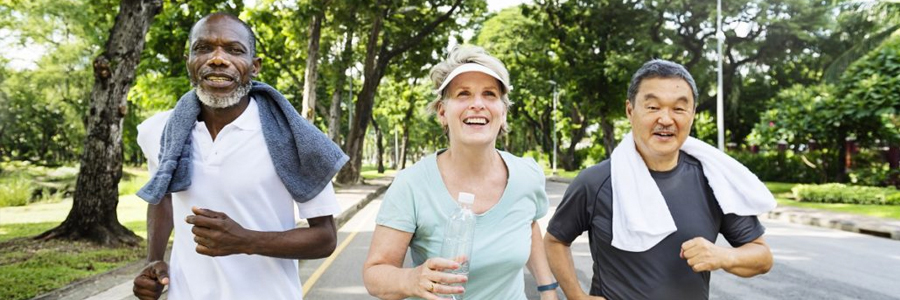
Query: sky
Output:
(22,57)
(496,5)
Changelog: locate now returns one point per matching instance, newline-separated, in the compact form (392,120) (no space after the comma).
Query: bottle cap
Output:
(466,198)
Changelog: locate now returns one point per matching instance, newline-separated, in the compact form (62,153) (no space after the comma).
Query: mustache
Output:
(663,129)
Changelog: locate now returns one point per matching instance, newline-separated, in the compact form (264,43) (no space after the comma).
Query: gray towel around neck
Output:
(305,159)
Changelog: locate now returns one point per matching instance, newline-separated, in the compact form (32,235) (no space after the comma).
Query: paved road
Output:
(810,263)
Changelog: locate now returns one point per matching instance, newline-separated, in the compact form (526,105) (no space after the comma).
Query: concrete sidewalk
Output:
(883,227)
(117,284)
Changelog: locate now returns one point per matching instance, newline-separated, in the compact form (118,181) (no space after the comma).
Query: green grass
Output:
(562,173)
(132,180)
(29,268)
(884,211)
(783,195)
(15,189)
(780,188)
(371,172)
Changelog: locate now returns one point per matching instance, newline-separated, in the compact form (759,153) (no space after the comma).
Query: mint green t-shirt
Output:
(418,202)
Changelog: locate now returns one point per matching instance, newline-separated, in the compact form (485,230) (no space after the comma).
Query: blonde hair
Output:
(458,56)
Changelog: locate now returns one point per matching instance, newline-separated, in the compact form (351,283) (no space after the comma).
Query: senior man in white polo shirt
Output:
(228,164)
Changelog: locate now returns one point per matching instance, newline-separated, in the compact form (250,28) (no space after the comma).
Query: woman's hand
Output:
(429,279)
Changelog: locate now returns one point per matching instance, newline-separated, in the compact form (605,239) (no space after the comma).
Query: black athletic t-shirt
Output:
(660,272)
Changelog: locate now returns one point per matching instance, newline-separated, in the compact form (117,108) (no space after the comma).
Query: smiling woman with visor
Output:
(471,106)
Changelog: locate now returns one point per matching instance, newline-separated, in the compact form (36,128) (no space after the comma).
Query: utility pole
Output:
(720,103)
(553,126)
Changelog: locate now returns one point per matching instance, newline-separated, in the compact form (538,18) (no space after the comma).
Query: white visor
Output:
(472,67)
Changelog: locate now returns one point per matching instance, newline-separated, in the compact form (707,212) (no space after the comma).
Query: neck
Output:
(216,118)
(661,164)
(471,160)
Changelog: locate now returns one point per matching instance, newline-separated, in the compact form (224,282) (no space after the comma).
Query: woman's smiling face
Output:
(474,111)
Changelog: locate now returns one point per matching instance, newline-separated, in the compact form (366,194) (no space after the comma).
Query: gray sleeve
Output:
(739,230)
(573,216)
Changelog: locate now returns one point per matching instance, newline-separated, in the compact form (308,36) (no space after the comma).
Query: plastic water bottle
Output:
(458,239)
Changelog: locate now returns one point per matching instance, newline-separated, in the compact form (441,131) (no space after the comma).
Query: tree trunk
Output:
(407,119)
(842,160)
(377,59)
(894,165)
(93,214)
(404,144)
(609,135)
(312,58)
(334,112)
(366,99)
(334,118)
(379,145)
(571,162)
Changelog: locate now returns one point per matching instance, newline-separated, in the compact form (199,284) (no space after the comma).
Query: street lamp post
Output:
(720,103)
(553,126)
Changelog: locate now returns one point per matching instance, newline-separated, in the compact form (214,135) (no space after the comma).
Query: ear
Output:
(442,119)
(629,109)
(257,65)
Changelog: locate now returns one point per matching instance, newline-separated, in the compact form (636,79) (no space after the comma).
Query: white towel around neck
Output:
(641,218)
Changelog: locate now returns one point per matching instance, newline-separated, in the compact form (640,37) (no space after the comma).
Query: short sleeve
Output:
(323,204)
(573,215)
(739,230)
(541,202)
(398,209)
(149,134)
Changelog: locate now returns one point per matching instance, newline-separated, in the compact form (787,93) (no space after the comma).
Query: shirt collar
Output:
(249,119)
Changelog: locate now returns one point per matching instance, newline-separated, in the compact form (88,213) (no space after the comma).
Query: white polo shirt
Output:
(233,174)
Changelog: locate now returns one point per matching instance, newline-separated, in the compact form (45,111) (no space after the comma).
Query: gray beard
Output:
(223,101)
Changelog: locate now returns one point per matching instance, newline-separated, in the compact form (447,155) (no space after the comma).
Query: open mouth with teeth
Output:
(218,80)
(664,134)
(475,121)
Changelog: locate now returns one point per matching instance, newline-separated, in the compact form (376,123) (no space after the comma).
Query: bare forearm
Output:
(750,260)
(563,266)
(387,281)
(159,228)
(317,241)
(537,261)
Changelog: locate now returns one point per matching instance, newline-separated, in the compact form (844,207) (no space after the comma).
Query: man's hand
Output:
(216,234)
(703,255)
(150,282)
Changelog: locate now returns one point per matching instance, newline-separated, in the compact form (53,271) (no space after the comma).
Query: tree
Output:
(869,89)
(875,22)
(597,51)
(758,35)
(93,214)
(312,56)
(396,27)
(45,105)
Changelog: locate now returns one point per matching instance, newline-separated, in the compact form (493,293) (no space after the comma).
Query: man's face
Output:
(220,64)
(661,117)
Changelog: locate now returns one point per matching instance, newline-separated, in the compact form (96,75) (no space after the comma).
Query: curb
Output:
(85,287)
(858,224)
(348,214)
(555,178)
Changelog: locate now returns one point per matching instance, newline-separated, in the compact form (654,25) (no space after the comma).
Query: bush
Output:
(15,190)
(840,193)
(787,166)
(892,199)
